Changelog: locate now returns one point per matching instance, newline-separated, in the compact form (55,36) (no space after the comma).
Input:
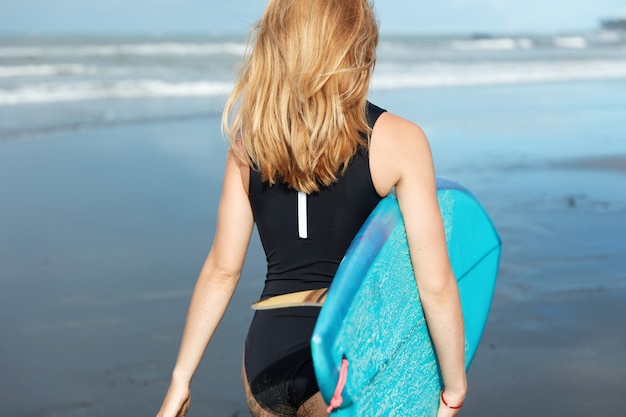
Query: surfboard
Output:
(373,317)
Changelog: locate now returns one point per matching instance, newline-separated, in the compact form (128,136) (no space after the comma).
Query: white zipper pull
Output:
(303,232)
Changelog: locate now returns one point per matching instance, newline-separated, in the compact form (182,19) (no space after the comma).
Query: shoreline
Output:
(603,163)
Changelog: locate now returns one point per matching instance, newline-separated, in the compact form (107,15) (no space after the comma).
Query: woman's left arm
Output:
(403,159)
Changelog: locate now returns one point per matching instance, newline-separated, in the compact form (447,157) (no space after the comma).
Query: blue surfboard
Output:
(373,316)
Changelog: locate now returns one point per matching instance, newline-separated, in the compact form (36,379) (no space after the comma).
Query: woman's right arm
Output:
(216,284)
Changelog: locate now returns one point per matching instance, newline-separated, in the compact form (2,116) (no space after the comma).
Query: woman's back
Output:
(306,236)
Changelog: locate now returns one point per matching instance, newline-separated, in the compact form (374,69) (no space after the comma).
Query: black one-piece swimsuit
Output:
(304,238)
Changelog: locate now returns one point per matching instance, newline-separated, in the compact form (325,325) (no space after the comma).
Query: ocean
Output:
(65,83)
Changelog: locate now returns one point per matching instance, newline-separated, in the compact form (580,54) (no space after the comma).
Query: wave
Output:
(121,89)
(570,42)
(46,70)
(139,49)
(440,75)
(386,77)
(495,44)
(605,36)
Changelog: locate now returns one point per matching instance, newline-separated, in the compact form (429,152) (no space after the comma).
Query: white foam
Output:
(525,43)
(570,42)
(46,70)
(442,75)
(387,76)
(139,49)
(496,44)
(607,36)
(122,89)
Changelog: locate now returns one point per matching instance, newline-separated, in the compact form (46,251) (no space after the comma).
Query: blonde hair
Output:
(297,113)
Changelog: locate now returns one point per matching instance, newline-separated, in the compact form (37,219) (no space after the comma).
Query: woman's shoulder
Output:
(396,144)
(397,132)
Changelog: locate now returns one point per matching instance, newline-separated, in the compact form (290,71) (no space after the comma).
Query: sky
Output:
(236,16)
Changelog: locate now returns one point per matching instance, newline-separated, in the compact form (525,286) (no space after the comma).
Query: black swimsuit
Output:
(304,238)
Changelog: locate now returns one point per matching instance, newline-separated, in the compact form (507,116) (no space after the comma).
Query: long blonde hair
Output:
(297,113)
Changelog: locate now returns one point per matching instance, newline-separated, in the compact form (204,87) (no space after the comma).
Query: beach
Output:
(104,228)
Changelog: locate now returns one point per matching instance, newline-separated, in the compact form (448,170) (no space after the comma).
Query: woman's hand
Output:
(453,401)
(176,402)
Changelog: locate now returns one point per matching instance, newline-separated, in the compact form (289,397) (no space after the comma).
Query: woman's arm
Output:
(401,157)
(215,286)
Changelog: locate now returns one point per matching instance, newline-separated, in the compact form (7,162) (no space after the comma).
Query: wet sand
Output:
(560,354)
(103,232)
(554,341)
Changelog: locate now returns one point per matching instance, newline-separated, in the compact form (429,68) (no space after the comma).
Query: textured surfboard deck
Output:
(374,318)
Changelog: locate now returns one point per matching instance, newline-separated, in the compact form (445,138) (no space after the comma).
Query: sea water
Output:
(51,84)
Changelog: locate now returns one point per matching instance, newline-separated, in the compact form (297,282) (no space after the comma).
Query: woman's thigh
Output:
(313,407)
(255,409)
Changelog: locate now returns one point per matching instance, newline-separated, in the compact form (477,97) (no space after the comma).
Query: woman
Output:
(309,160)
